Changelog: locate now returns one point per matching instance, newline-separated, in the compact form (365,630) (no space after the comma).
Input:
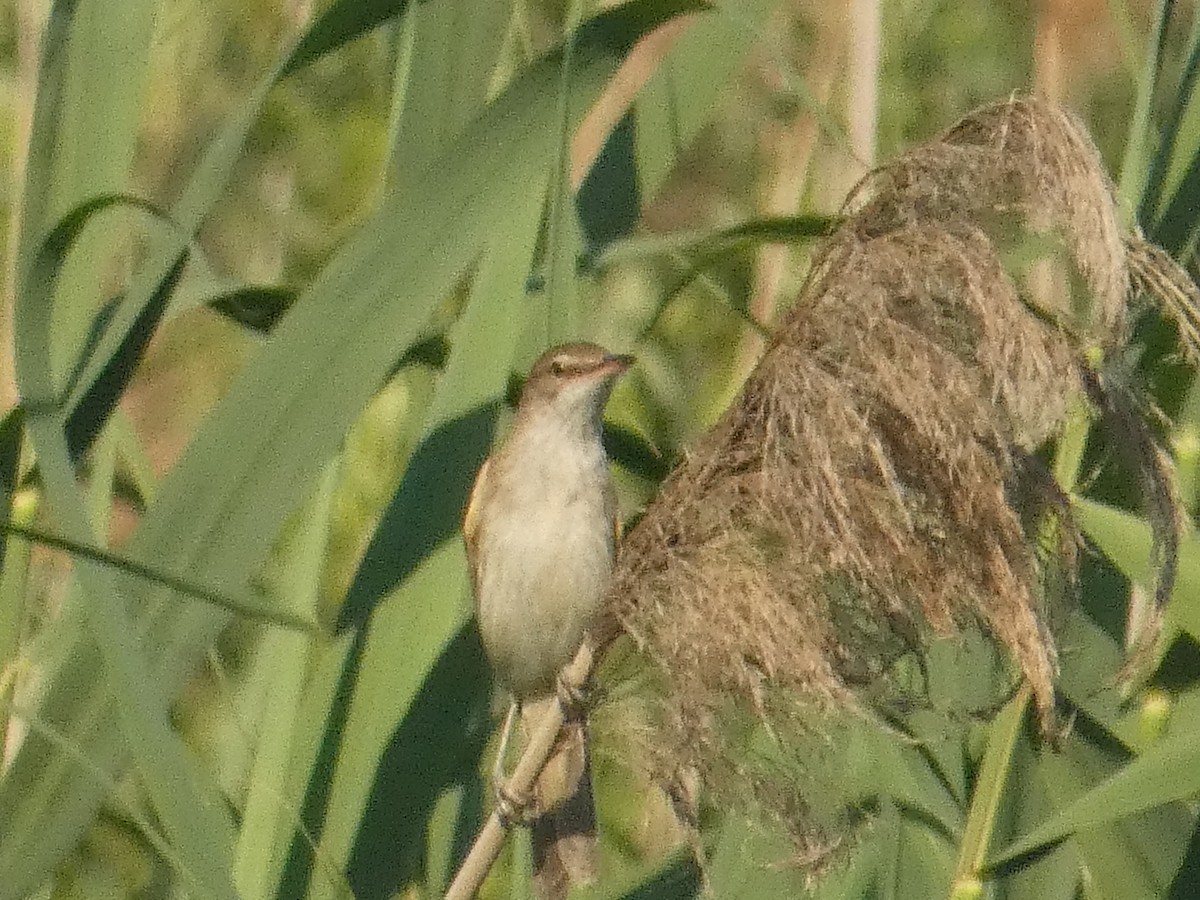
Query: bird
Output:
(540,529)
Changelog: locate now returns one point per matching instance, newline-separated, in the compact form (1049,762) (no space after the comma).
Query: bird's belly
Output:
(543,587)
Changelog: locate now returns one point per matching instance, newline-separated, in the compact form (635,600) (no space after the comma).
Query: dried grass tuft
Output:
(871,487)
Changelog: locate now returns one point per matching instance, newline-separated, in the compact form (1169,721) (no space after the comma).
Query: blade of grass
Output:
(989,790)
(415,560)
(564,239)
(241,606)
(1056,875)
(192,814)
(82,143)
(681,244)
(1127,541)
(342,22)
(1135,164)
(1166,772)
(1168,147)
(13,563)
(1170,224)
(194,819)
(202,191)
(443,80)
(283,660)
(1006,727)
(679,98)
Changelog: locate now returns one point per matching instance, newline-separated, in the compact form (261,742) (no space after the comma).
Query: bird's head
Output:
(572,382)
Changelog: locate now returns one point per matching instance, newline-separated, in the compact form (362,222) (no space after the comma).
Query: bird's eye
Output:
(557,367)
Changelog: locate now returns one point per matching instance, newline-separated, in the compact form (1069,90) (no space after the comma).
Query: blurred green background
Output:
(270,269)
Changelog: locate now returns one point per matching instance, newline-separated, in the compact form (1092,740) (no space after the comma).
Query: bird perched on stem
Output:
(540,530)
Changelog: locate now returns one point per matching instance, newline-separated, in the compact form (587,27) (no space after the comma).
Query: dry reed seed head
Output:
(1170,288)
(868,490)
(1023,164)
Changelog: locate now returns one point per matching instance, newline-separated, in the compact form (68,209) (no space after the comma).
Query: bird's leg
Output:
(498,775)
(512,808)
(573,698)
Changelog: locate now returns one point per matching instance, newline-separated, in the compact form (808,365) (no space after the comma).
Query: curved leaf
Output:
(341,23)
(1168,771)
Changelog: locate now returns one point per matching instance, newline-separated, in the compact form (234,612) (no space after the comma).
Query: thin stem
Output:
(989,788)
(180,585)
(490,840)
(1134,168)
(561,195)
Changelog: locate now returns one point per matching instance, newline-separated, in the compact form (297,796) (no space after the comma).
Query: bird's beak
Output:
(617,363)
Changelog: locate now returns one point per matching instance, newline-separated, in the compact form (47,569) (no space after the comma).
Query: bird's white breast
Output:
(547,543)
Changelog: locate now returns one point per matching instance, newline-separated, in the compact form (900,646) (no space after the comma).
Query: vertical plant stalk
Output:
(1006,727)
(13,594)
(1135,164)
(490,840)
(30,22)
(14,570)
(862,117)
(561,196)
(636,69)
(789,151)
(989,788)
(1048,50)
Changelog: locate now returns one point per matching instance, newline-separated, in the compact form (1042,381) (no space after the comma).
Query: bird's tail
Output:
(565,849)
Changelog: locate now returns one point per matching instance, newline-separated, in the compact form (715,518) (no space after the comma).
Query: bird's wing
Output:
(614,514)
(470,525)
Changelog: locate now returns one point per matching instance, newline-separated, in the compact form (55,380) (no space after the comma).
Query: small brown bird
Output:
(540,530)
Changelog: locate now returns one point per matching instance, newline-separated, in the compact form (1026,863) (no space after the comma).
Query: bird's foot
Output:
(513,808)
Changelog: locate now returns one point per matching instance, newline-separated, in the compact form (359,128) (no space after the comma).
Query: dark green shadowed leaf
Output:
(91,413)
(1170,144)
(432,352)
(630,450)
(47,261)
(96,403)
(1175,172)
(12,428)
(1127,541)
(447,725)
(12,565)
(1186,884)
(341,23)
(1135,165)
(679,879)
(609,199)
(1175,229)
(454,449)
(256,308)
